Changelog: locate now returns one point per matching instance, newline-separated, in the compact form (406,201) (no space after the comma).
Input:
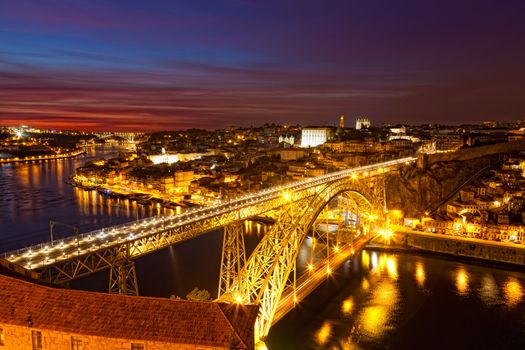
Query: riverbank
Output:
(500,254)
(141,198)
(42,157)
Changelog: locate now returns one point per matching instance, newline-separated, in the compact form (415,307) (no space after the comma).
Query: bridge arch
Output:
(264,276)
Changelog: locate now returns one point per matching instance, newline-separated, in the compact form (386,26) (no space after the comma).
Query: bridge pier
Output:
(233,256)
(123,278)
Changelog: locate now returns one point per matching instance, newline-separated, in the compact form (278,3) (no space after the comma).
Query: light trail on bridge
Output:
(97,250)
(315,275)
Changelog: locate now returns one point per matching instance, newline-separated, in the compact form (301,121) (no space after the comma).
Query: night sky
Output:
(151,65)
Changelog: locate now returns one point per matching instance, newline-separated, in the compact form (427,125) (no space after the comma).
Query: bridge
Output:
(264,278)
(128,136)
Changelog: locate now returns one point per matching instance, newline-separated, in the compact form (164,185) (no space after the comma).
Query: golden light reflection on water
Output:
(322,335)
(386,293)
(489,291)
(420,274)
(391,267)
(375,318)
(462,281)
(513,291)
(347,306)
(375,260)
(365,259)
(365,284)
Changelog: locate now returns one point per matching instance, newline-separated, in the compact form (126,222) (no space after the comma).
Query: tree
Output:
(198,295)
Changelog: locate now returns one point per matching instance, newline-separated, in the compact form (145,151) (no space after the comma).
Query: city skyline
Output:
(162,66)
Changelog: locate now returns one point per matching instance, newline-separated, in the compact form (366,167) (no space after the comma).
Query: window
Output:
(76,343)
(2,337)
(137,346)
(36,337)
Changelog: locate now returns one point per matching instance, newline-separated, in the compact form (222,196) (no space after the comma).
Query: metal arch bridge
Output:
(128,136)
(261,280)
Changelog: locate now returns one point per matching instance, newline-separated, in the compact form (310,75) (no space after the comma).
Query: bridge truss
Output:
(264,277)
(261,279)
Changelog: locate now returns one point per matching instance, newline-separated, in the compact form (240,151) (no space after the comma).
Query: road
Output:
(314,276)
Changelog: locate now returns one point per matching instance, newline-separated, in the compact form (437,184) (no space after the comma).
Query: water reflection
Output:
(391,267)
(347,306)
(420,274)
(513,291)
(365,284)
(489,292)
(462,281)
(374,319)
(365,259)
(323,333)
(386,297)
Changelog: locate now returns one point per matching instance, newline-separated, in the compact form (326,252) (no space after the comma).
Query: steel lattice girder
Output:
(266,272)
(62,270)
(233,256)
(123,278)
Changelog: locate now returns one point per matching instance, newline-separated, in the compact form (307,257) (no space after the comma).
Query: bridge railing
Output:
(100,234)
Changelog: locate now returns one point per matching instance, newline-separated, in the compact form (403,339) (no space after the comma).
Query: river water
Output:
(377,300)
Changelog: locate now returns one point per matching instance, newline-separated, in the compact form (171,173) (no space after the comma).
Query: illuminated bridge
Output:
(264,277)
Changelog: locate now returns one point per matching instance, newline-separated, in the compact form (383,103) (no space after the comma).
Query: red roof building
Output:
(35,316)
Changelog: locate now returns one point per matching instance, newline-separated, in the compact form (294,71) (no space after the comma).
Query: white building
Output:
(311,137)
(362,123)
(287,139)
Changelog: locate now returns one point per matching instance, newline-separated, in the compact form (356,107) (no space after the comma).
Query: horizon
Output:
(165,65)
(501,124)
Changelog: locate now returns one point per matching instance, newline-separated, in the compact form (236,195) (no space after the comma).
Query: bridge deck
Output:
(76,256)
(310,280)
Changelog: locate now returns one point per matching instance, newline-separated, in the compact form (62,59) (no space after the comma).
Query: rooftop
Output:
(213,324)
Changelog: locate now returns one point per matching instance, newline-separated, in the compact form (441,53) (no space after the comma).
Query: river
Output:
(377,300)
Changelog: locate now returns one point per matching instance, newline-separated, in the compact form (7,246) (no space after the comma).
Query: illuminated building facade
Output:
(362,123)
(311,137)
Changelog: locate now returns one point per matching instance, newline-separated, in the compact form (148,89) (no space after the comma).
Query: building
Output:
(311,137)
(448,142)
(34,316)
(342,121)
(289,139)
(362,123)
(291,154)
(182,180)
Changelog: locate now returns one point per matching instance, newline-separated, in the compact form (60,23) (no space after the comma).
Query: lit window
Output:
(36,338)
(2,337)
(76,343)
(136,346)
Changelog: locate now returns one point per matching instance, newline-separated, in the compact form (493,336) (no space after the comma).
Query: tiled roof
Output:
(115,316)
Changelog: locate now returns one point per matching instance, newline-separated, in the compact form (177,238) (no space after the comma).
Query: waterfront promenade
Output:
(487,250)
(41,157)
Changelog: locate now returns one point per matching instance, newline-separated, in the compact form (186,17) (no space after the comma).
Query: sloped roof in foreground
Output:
(213,324)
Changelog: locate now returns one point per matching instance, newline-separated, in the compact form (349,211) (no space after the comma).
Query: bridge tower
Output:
(123,278)
(122,274)
(233,256)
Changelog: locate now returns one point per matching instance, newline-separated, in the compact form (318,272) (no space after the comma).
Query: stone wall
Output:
(19,338)
(438,243)
(477,152)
